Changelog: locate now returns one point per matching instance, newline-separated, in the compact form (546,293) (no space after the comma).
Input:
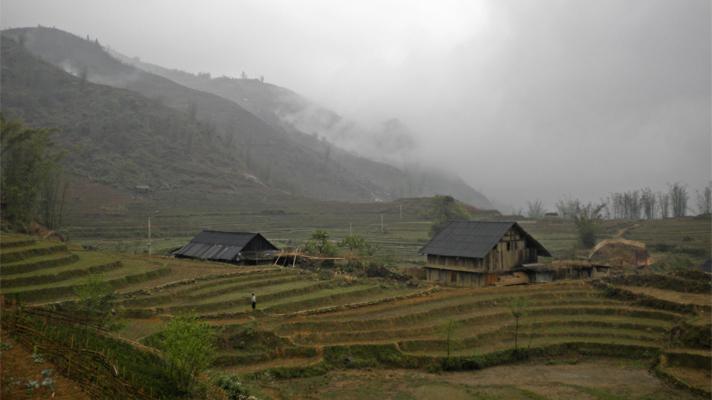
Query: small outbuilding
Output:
(478,253)
(231,247)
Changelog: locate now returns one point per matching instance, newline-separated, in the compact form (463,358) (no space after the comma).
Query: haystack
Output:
(620,253)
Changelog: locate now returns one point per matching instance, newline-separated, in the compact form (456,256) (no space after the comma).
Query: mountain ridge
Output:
(263,152)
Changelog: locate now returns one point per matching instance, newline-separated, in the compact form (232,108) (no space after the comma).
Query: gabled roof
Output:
(218,246)
(474,239)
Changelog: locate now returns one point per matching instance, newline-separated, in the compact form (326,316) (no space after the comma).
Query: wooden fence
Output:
(96,372)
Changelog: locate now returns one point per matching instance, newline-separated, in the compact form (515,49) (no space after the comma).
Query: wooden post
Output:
(149,235)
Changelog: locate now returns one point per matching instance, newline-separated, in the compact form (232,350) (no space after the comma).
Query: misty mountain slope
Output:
(293,113)
(272,155)
(114,135)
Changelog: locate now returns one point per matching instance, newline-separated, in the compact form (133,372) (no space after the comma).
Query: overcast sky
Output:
(525,99)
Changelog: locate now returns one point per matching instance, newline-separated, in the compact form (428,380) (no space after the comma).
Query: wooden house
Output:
(477,253)
(232,247)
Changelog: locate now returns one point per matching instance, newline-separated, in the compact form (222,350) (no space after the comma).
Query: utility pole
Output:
(381,223)
(350,229)
(400,211)
(149,235)
(149,231)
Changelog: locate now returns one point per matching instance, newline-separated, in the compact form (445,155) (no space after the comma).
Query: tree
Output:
(96,298)
(568,208)
(535,209)
(518,307)
(704,200)
(189,348)
(27,159)
(449,330)
(445,210)
(648,200)
(357,245)
(319,245)
(664,204)
(586,220)
(678,199)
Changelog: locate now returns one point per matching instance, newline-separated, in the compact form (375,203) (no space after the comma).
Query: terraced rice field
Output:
(310,323)
(687,360)
(38,271)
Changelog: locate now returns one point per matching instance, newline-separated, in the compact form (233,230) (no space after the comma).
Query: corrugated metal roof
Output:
(218,245)
(473,239)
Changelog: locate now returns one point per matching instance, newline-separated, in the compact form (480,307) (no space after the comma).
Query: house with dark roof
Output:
(479,253)
(232,247)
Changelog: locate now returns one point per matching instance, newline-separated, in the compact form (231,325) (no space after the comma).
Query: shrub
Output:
(232,386)
(189,348)
(319,245)
(95,299)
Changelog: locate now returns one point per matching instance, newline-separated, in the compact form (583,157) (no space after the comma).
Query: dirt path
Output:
(621,232)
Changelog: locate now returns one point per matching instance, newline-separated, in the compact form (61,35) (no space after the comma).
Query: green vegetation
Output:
(30,175)
(189,348)
(319,245)
(95,300)
(447,209)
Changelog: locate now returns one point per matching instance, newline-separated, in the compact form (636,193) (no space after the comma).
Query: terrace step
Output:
(117,278)
(290,362)
(687,358)
(257,283)
(21,253)
(476,317)
(191,294)
(235,358)
(11,243)
(476,334)
(63,274)
(693,379)
(573,341)
(441,303)
(168,291)
(37,263)
(242,299)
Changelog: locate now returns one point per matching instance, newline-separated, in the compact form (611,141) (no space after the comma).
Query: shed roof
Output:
(474,239)
(218,245)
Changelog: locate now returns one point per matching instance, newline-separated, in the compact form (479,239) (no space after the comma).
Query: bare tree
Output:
(535,209)
(647,199)
(704,200)
(678,199)
(664,204)
(568,208)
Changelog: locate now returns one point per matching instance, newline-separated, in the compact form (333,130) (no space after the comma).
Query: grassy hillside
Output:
(290,161)
(287,110)
(112,135)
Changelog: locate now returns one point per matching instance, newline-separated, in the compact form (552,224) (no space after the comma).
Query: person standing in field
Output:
(254,301)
